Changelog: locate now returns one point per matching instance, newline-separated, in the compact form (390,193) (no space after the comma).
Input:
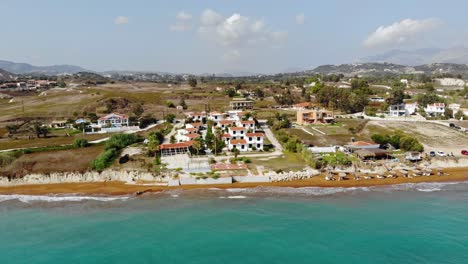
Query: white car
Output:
(441,154)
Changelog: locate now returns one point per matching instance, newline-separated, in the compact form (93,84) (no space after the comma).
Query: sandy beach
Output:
(121,188)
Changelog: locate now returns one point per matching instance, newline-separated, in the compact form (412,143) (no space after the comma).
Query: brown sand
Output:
(120,188)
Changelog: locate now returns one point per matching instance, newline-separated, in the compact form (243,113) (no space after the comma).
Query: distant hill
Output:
(457,55)
(379,69)
(6,76)
(25,68)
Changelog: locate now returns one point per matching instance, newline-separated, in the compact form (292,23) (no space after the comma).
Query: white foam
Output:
(429,190)
(237,197)
(43,198)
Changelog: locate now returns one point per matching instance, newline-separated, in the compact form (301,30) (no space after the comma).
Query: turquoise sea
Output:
(412,223)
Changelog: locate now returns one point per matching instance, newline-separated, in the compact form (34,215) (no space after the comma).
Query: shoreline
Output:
(118,188)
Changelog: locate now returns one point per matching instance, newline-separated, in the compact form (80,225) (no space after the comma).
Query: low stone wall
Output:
(188,180)
(251,179)
(72,177)
(292,175)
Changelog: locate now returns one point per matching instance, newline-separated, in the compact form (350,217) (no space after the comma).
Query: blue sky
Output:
(222,35)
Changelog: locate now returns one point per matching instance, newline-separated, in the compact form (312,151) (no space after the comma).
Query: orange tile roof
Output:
(238,141)
(363,143)
(237,128)
(226,136)
(248,122)
(305,104)
(191,129)
(113,114)
(177,145)
(255,134)
(197,124)
(226,122)
(192,136)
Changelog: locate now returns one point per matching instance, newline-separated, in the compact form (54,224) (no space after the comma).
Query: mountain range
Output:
(6,76)
(378,69)
(25,68)
(457,55)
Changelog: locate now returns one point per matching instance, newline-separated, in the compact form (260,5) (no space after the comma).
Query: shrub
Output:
(105,159)
(80,143)
(121,141)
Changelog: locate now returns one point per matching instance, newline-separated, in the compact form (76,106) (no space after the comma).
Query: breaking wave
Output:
(44,198)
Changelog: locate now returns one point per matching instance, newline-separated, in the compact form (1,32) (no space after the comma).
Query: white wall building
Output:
(113,120)
(435,108)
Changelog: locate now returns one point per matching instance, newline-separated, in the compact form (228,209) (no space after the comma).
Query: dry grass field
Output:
(77,160)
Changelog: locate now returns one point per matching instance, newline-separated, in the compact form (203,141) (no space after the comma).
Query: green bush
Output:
(80,143)
(112,150)
(105,159)
(121,141)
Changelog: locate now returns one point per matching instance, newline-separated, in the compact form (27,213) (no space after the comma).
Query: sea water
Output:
(408,223)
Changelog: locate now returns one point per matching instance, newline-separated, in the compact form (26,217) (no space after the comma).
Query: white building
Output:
(196,116)
(255,141)
(454,107)
(402,109)
(113,120)
(216,117)
(377,99)
(249,124)
(187,134)
(411,108)
(397,110)
(435,108)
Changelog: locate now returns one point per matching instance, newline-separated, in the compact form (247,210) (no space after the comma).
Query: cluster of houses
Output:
(239,131)
(106,124)
(29,85)
(435,109)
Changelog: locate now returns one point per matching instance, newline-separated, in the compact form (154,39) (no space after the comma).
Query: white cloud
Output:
(183,22)
(210,18)
(121,20)
(300,19)
(231,55)
(401,32)
(236,32)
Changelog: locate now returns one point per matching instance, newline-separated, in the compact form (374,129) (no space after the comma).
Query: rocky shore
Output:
(73,177)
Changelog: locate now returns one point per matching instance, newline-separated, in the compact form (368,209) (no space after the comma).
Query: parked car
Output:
(432,154)
(464,152)
(441,154)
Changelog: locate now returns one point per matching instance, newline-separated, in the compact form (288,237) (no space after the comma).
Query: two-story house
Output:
(435,109)
(113,120)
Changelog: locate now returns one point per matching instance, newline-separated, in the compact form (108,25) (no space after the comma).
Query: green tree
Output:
(170,118)
(459,115)
(137,109)
(231,92)
(192,82)
(182,103)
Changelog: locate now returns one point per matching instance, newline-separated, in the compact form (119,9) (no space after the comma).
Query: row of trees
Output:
(399,140)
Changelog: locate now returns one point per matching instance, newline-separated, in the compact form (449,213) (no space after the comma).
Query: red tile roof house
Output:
(249,124)
(113,120)
(362,145)
(240,144)
(196,116)
(226,123)
(196,125)
(255,141)
(186,134)
(237,132)
(176,148)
